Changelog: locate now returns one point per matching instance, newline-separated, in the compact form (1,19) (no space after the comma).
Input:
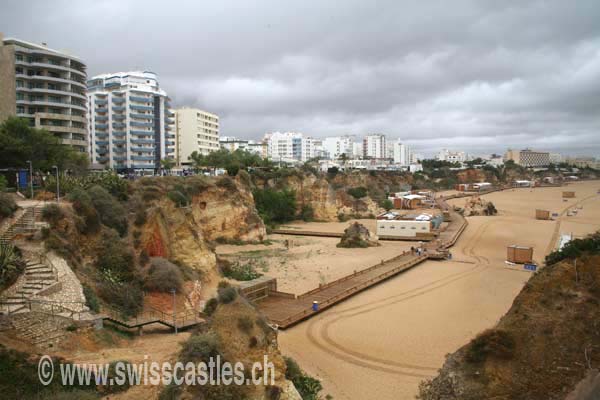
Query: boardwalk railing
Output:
(182,319)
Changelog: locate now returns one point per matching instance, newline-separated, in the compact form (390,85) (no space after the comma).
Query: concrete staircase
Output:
(37,278)
(39,329)
(25,221)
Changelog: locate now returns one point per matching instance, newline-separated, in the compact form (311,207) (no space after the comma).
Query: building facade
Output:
(401,153)
(45,86)
(289,146)
(196,130)
(129,122)
(452,156)
(374,146)
(335,146)
(528,157)
(232,144)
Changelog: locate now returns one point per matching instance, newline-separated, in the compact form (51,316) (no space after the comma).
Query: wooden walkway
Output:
(285,309)
(298,232)
(181,320)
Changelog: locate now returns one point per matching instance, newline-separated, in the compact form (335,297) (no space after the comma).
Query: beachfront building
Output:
(374,146)
(129,122)
(528,157)
(45,86)
(584,162)
(401,153)
(195,130)
(289,146)
(335,146)
(452,156)
(232,144)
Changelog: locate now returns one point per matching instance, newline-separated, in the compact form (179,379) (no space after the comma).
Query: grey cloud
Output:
(476,75)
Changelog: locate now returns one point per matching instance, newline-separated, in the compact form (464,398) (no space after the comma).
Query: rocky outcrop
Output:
(357,235)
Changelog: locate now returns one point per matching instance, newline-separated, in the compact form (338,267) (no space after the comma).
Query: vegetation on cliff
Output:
(542,347)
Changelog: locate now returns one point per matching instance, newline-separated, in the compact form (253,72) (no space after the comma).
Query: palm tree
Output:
(167,164)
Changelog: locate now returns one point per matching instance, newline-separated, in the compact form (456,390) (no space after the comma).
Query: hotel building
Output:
(130,122)
(196,130)
(45,86)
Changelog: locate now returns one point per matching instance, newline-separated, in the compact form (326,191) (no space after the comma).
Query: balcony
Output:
(143,166)
(102,159)
(144,108)
(120,158)
(143,116)
(170,136)
(141,99)
(142,158)
(119,133)
(102,151)
(101,118)
(102,142)
(118,100)
(142,133)
(169,150)
(101,110)
(143,149)
(169,120)
(119,150)
(101,126)
(142,141)
(111,84)
(119,141)
(141,124)
(118,125)
(119,117)
(170,143)
(101,102)
(118,108)
(102,135)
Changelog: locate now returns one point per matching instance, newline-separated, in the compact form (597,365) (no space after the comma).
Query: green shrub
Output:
(7,205)
(245,324)
(52,214)
(140,217)
(178,198)
(226,182)
(307,213)
(386,204)
(200,348)
(491,343)
(111,212)
(223,284)
(115,256)
(163,276)
(3,183)
(239,272)
(357,192)
(211,306)
(307,386)
(83,206)
(226,295)
(575,248)
(11,264)
(91,300)
(275,206)
(127,298)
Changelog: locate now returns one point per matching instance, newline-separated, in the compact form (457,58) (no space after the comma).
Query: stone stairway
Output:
(37,278)
(39,329)
(25,221)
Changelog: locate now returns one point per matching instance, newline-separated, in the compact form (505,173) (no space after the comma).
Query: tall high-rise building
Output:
(401,153)
(196,130)
(374,146)
(130,122)
(45,86)
(289,146)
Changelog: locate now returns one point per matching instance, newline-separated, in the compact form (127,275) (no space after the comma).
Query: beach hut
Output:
(519,254)
(542,214)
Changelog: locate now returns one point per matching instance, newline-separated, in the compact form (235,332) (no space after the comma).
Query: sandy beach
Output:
(384,341)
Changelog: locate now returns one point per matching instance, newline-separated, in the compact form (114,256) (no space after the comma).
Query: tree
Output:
(387,204)
(167,164)
(19,142)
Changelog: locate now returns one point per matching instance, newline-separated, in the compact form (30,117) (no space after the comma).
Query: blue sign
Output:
(530,267)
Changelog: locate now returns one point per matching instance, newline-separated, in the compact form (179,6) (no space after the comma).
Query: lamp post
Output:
(174,318)
(30,178)
(57,185)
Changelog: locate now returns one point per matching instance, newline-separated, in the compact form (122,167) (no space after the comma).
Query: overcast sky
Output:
(479,76)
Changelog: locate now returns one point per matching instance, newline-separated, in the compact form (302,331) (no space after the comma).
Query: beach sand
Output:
(382,342)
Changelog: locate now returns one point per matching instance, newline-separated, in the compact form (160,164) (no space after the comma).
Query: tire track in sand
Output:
(386,365)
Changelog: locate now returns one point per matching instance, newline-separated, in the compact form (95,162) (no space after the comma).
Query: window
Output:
(20,84)
(20,110)
(19,57)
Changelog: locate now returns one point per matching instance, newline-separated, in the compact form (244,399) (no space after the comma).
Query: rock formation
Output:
(357,235)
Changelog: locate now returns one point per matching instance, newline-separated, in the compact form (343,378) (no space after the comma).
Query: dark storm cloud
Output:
(476,75)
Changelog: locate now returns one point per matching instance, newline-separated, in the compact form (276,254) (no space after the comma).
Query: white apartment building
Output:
(401,153)
(452,156)
(528,157)
(196,130)
(374,146)
(338,145)
(129,122)
(45,86)
(289,146)
(232,144)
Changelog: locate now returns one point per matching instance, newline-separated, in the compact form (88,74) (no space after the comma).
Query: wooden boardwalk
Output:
(285,309)
(181,320)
